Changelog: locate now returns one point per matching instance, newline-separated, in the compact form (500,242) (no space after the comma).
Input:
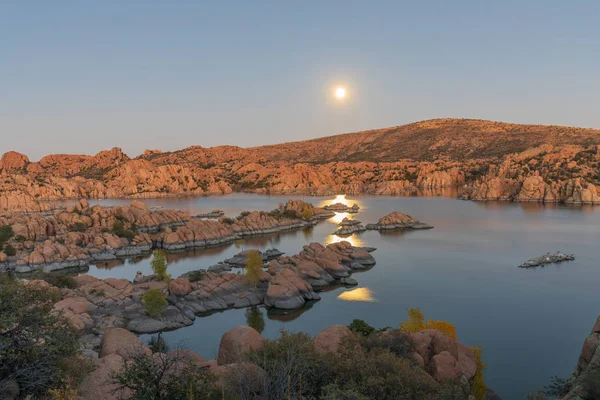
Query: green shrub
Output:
(195,276)
(158,344)
(120,231)
(6,232)
(159,265)
(163,377)
(20,238)
(154,301)
(78,227)
(360,326)
(9,250)
(57,279)
(254,268)
(244,214)
(227,220)
(26,315)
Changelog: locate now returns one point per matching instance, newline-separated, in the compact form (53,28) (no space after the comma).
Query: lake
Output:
(531,323)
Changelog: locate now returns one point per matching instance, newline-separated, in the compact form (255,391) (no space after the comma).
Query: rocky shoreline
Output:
(81,235)
(286,283)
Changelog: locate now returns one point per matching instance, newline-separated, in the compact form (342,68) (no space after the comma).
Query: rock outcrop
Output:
(348,227)
(398,220)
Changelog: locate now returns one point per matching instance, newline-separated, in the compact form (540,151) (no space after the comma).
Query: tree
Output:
(307,212)
(478,387)
(9,250)
(360,326)
(414,323)
(154,301)
(27,319)
(254,268)
(159,265)
(255,318)
(162,376)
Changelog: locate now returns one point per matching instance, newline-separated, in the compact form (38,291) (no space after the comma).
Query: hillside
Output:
(487,160)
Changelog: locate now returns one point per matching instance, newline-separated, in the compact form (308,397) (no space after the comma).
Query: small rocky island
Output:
(398,220)
(341,207)
(214,214)
(349,226)
(548,258)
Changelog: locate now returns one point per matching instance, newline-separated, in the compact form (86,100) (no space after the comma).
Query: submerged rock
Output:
(548,258)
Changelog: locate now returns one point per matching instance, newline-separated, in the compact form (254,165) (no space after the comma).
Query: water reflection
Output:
(275,314)
(339,217)
(358,294)
(354,240)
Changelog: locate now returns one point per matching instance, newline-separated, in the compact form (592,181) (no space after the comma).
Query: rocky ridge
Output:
(485,160)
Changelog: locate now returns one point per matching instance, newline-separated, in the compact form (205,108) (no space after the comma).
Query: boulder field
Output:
(286,283)
(485,160)
(446,359)
(77,236)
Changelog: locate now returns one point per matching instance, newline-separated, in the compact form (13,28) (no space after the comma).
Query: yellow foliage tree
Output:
(414,323)
(307,212)
(478,387)
(254,268)
(445,327)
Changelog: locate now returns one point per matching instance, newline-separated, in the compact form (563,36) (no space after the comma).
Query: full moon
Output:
(340,93)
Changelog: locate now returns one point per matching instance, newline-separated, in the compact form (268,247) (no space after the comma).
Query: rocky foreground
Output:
(484,160)
(286,283)
(78,236)
(438,359)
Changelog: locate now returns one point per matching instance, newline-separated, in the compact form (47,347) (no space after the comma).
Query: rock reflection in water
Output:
(358,294)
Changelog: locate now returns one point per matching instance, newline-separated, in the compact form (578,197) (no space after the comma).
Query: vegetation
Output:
(6,232)
(78,227)
(9,250)
(26,318)
(56,279)
(254,268)
(154,301)
(158,344)
(360,326)
(227,220)
(415,323)
(307,212)
(163,377)
(120,230)
(159,265)
(195,276)
(364,367)
(478,387)
(255,318)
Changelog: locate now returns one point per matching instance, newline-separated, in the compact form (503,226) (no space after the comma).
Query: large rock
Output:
(329,339)
(121,342)
(97,385)
(180,287)
(444,367)
(236,342)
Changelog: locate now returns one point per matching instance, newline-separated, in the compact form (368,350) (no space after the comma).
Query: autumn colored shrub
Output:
(415,323)
(478,387)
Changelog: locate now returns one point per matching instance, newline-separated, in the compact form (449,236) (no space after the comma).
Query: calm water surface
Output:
(530,323)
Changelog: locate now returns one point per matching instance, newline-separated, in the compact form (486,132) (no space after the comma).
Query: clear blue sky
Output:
(81,76)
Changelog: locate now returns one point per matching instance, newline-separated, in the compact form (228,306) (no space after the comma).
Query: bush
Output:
(120,231)
(9,250)
(78,227)
(159,265)
(26,317)
(6,232)
(57,279)
(227,220)
(478,387)
(195,276)
(154,301)
(415,323)
(244,214)
(163,377)
(361,327)
(307,213)
(158,344)
(20,238)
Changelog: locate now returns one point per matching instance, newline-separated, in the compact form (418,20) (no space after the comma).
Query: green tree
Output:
(254,268)
(154,301)
(159,265)
(27,318)
(360,326)
(6,232)
(255,318)
(9,250)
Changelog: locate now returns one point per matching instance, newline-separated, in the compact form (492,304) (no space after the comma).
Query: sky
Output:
(83,76)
